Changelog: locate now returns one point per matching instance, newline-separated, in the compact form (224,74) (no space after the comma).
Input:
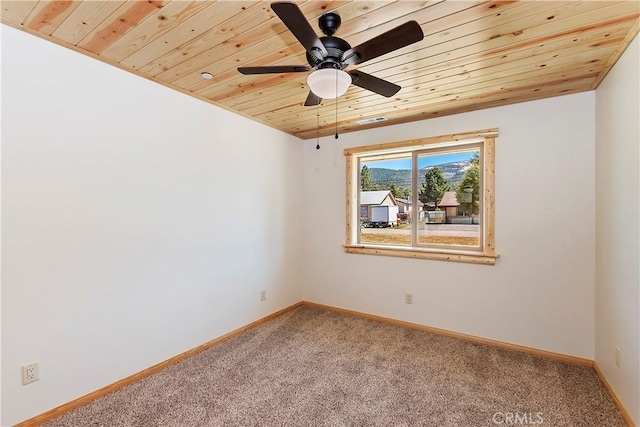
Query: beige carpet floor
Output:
(312,367)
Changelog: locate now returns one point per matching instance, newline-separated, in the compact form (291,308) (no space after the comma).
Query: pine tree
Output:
(365,179)
(470,180)
(394,190)
(433,187)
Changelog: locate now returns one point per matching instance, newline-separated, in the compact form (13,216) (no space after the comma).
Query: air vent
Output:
(371,120)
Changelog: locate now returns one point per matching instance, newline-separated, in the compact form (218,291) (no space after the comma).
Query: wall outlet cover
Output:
(30,373)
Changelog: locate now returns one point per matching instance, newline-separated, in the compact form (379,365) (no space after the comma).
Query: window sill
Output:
(440,255)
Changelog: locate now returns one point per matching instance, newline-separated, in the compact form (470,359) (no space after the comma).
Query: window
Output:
(429,198)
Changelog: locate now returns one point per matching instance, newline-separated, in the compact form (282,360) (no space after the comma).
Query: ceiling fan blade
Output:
(312,99)
(274,69)
(374,84)
(292,17)
(404,35)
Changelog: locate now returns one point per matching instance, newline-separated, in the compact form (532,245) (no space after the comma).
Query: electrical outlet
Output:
(408,298)
(30,373)
(263,295)
(618,356)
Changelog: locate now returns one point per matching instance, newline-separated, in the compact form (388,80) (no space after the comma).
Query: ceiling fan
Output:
(329,56)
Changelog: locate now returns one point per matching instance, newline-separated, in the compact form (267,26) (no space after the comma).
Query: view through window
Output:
(447,198)
(425,198)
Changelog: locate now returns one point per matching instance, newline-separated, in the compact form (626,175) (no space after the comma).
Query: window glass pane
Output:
(385,200)
(449,185)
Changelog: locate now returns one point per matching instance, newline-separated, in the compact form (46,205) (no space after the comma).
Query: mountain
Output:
(385,177)
(453,173)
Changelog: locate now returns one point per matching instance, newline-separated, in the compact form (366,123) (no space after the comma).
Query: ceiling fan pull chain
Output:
(336,104)
(318,128)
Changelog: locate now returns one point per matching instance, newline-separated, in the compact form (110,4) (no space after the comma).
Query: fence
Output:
(439,217)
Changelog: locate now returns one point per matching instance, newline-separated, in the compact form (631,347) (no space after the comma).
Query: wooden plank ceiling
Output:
(475,54)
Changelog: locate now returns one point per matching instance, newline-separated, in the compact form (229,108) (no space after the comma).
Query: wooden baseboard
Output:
(472,338)
(625,414)
(529,350)
(62,409)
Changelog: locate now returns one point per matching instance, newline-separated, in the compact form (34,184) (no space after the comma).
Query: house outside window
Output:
(429,198)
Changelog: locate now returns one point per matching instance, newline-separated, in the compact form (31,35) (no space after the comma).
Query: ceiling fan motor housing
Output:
(335,47)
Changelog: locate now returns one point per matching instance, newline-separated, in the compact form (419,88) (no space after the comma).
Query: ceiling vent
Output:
(372,120)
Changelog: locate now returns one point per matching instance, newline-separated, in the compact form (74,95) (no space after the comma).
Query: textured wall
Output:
(137,223)
(540,293)
(617,227)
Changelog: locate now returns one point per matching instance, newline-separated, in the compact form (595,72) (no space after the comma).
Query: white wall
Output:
(617,230)
(540,293)
(137,223)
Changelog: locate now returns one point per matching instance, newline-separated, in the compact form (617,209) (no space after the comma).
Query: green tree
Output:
(394,190)
(405,193)
(433,187)
(400,192)
(365,179)
(470,183)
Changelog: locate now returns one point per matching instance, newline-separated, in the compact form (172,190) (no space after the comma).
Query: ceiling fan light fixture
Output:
(323,83)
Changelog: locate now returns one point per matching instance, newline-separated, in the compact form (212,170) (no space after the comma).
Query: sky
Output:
(423,161)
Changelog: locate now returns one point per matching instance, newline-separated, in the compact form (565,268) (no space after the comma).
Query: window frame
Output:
(484,254)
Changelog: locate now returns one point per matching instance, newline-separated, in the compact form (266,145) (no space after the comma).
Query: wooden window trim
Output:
(486,255)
